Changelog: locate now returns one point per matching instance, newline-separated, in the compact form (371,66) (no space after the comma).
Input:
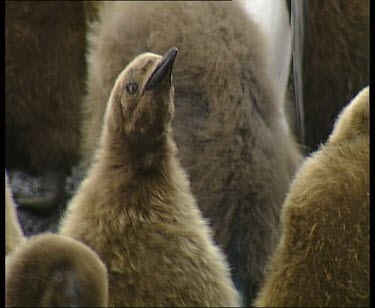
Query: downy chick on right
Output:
(323,258)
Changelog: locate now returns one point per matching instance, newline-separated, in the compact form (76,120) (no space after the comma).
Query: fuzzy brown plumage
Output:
(45,67)
(135,208)
(323,256)
(335,62)
(230,131)
(91,9)
(52,270)
(13,232)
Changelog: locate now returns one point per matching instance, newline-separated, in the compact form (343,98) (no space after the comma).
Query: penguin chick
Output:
(43,96)
(323,256)
(13,232)
(52,270)
(135,208)
(353,120)
(229,127)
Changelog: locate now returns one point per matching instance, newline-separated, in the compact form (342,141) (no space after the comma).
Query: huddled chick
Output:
(231,131)
(51,270)
(323,256)
(135,208)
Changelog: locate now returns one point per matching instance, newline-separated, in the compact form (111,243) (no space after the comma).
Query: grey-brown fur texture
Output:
(13,232)
(335,63)
(323,256)
(230,130)
(135,208)
(91,9)
(52,270)
(45,68)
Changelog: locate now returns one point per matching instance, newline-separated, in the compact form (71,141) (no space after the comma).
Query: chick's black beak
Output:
(163,70)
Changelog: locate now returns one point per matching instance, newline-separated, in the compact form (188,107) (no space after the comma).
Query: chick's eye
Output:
(131,88)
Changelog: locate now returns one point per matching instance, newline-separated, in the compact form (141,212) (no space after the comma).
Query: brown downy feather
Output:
(230,130)
(323,256)
(135,208)
(52,270)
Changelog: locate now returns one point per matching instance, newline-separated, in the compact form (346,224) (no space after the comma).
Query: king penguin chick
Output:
(52,270)
(229,127)
(323,256)
(135,208)
(13,232)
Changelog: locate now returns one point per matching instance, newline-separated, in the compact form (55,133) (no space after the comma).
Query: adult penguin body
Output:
(323,257)
(229,128)
(135,208)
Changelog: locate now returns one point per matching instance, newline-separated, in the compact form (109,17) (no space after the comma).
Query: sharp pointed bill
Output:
(163,69)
